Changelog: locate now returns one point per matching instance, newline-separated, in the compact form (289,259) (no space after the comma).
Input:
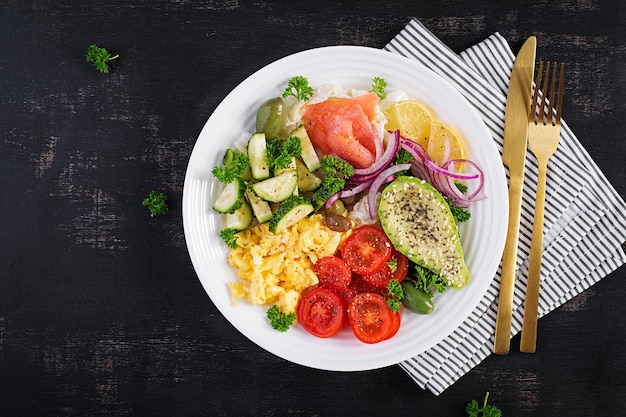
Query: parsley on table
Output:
(298,87)
(100,58)
(280,321)
(156,203)
(279,153)
(378,86)
(486,410)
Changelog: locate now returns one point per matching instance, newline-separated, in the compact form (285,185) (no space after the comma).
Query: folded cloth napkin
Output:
(585,218)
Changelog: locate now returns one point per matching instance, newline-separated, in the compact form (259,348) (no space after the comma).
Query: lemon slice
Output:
(436,145)
(412,119)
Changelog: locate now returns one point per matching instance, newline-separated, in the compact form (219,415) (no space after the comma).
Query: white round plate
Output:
(351,66)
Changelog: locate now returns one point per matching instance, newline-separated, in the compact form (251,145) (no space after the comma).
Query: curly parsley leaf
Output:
(156,203)
(229,236)
(235,164)
(279,153)
(378,86)
(298,87)
(336,172)
(462,187)
(280,321)
(395,293)
(473,409)
(426,280)
(100,58)
(460,214)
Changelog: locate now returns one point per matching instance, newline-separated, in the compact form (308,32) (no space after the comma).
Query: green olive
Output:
(270,118)
(337,207)
(415,299)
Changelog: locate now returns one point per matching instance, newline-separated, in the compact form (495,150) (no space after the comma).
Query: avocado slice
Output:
(418,221)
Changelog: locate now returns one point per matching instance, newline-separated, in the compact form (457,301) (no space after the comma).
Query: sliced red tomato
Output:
(321,311)
(370,318)
(366,250)
(395,324)
(395,268)
(332,272)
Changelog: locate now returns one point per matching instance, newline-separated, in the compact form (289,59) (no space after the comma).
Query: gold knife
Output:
(514,157)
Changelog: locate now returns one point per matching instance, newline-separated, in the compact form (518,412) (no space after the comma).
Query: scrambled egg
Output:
(274,269)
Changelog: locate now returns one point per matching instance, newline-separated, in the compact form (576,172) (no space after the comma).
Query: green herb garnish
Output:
(279,153)
(378,86)
(335,172)
(229,236)
(486,410)
(279,320)
(298,87)
(100,58)
(234,167)
(156,203)
(395,293)
(426,280)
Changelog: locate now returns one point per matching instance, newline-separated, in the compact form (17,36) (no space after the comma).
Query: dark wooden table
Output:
(101,312)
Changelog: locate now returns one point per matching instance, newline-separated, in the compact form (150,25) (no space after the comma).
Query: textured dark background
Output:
(101,313)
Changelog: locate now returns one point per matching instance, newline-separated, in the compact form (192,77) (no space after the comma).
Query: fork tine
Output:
(542,107)
(550,118)
(559,104)
(533,107)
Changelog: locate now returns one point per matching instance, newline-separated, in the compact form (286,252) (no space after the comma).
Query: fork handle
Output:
(528,341)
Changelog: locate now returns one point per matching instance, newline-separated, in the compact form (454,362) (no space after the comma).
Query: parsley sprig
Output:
(379,86)
(229,236)
(156,203)
(100,58)
(473,409)
(335,172)
(298,87)
(279,153)
(395,293)
(235,164)
(280,321)
(427,280)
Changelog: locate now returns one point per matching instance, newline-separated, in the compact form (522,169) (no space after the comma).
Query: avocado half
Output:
(418,221)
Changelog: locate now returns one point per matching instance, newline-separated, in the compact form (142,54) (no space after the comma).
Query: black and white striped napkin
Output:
(585,218)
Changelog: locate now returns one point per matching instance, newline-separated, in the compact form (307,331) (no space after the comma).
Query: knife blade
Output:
(514,157)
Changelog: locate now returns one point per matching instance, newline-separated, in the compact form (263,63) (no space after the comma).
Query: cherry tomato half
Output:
(396,268)
(366,250)
(371,319)
(395,324)
(332,272)
(321,312)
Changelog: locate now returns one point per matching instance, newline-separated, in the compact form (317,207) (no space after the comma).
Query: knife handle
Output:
(502,342)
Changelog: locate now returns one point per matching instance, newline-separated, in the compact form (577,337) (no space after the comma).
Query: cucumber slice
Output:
(307,181)
(290,212)
(256,152)
(261,208)
(231,198)
(241,219)
(309,156)
(278,188)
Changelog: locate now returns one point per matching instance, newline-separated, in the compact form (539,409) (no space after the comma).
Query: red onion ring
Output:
(385,176)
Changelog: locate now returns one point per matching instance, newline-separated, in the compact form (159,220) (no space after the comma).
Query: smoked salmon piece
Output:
(343,127)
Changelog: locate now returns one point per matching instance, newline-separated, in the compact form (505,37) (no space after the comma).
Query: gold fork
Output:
(544,128)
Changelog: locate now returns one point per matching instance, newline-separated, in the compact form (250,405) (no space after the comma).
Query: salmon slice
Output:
(343,127)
